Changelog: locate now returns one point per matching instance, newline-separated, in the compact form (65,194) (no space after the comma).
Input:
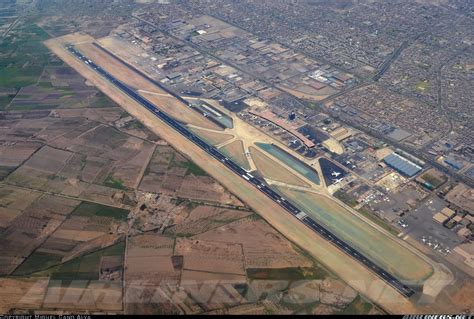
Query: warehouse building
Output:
(402,165)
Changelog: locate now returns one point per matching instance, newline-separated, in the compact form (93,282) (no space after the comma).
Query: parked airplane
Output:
(335,174)
(337,180)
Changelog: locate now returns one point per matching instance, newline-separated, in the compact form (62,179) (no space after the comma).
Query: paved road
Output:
(260,185)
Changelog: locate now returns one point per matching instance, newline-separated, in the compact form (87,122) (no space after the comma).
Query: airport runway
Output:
(283,202)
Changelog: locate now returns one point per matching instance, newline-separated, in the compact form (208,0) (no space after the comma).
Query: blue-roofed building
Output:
(451,162)
(402,165)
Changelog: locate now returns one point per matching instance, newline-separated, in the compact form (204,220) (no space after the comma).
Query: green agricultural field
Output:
(82,268)
(114,182)
(4,101)
(23,55)
(101,100)
(29,107)
(193,169)
(36,262)
(93,209)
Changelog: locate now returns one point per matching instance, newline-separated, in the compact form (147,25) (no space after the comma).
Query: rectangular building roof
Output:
(448,212)
(402,165)
(440,218)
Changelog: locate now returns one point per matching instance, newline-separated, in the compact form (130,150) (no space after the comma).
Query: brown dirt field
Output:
(212,137)
(129,170)
(202,211)
(235,151)
(94,296)
(101,194)
(13,155)
(462,299)
(336,293)
(225,257)
(148,258)
(203,218)
(345,267)
(245,309)
(179,111)
(202,276)
(104,115)
(73,187)
(272,170)
(53,206)
(95,244)
(152,269)
(16,199)
(48,159)
(150,245)
(21,293)
(202,187)
(311,97)
(79,235)
(266,248)
(7,215)
(30,229)
(39,172)
(212,291)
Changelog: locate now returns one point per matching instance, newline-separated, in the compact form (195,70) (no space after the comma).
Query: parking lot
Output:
(422,227)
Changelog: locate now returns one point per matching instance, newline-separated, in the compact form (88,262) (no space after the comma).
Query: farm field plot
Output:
(380,247)
(203,188)
(29,230)
(18,66)
(136,128)
(86,209)
(203,218)
(24,292)
(235,151)
(85,267)
(40,168)
(96,288)
(82,152)
(113,158)
(13,202)
(103,115)
(58,87)
(166,170)
(266,248)
(272,170)
(171,173)
(13,154)
(51,229)
(227,257)
(149,259)
(37,262)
